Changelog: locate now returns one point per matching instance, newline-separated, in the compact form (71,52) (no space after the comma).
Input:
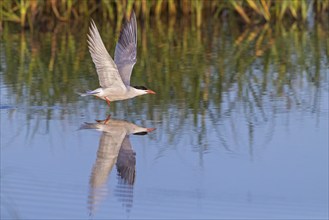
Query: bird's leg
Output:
(108,101)
(107,119)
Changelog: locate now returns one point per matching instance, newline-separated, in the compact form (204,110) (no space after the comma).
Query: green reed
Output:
(37,13)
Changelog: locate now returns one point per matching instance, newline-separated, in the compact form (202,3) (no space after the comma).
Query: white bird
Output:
(114,76)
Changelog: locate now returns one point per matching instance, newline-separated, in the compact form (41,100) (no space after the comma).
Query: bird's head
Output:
(144,90)
(143,131)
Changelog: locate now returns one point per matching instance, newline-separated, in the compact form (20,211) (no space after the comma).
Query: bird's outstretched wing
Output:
(107,70)
(126,49)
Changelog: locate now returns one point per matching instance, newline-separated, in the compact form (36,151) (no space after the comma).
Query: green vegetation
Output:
(39,13)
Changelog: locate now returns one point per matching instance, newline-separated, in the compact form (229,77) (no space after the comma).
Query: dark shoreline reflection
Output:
(114,148)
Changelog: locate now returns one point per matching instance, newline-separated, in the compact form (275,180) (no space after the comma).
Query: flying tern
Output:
(114,75)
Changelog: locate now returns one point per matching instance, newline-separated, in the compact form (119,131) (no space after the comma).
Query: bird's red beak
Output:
(150,129)
(150,92)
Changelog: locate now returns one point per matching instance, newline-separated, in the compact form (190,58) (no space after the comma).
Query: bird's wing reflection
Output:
(114,147)
(126,167)
(109,146)
(108,150)
(126,162)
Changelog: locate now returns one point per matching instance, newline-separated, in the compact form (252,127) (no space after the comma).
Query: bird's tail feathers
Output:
(89,92)
(87,125)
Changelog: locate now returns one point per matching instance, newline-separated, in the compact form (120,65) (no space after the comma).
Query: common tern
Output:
(114,75)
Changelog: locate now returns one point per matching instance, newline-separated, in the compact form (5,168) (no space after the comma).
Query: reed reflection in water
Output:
(114,148)
(200,66)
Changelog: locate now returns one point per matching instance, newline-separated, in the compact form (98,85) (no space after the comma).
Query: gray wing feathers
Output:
(126,49)
(106,68)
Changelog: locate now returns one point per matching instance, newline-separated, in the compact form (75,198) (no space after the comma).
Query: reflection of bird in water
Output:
(114,147)
(114,76)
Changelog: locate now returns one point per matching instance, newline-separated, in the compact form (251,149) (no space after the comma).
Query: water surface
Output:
(241,118)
